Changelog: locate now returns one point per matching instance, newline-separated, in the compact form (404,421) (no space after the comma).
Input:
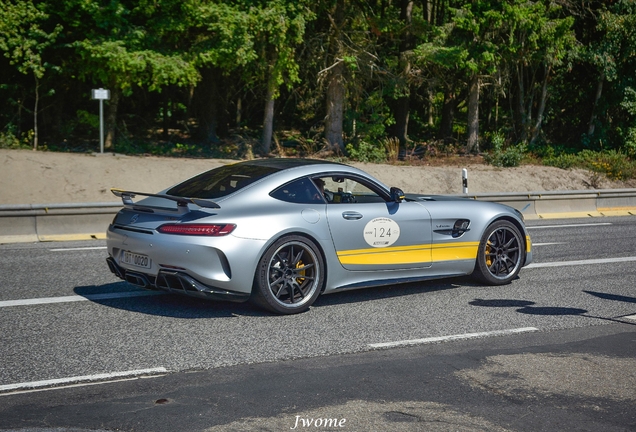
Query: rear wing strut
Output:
(182,202)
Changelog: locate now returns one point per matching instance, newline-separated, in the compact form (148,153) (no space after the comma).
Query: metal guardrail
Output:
(81,221)
(55,222)
(561,204)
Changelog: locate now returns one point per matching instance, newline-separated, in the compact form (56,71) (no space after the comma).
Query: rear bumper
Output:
(175,282)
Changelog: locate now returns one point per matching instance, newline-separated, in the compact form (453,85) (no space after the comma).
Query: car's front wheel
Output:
(500,254)
(289,276)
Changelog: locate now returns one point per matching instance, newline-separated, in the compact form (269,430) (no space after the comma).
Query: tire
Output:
(289,276)
(500,255)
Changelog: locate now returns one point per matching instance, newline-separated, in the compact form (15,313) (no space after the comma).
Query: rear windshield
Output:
(221,181)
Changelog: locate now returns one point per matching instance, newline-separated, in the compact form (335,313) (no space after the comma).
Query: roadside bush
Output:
(563,161)
(614,164)
(502,155)
(8,140)
(366,152)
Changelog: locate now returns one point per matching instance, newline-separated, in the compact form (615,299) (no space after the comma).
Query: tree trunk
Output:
(239,111)
(427,9)
(111,118)
(206,103)
(268,121)
(430,109)
(335,98)
(520,103)
(544,96)
(268,117)
(448,115)
(35,113)
(472,146)
(402,108)
(165,117)
(597,97)
(335,108)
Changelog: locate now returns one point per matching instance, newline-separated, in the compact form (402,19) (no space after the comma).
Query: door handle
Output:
(350,215)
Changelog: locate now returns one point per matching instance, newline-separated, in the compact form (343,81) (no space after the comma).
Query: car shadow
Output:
(616,297)
(527,307)
(388,291)
(122,295)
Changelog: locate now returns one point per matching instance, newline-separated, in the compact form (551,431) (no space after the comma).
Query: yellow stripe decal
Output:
(410,254)
(455,251)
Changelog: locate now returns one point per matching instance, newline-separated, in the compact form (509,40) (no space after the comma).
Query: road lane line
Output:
(78,249)
(76,298)
(580,262)
(568,225)
(453,337)
(33,385)
(547,244)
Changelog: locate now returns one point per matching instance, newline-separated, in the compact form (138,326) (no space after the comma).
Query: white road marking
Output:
(630,317)
(86,379)
(580,262)
(76,298)
(568,225)
(78,249)
(546,244)
(453,337)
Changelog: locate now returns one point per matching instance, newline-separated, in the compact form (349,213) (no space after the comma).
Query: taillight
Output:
(212,230)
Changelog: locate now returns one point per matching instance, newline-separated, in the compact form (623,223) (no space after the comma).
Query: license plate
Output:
(135,259)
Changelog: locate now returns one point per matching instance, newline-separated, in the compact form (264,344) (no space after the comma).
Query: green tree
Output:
(220,36)
(120,52)
(537,41)
(24,40)
(477,31)
(351,70)
(613,55)
(279,28)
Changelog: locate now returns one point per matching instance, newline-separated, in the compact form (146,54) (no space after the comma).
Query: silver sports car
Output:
(280,232)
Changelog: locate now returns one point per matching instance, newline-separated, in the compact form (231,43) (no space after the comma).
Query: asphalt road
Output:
(567,362)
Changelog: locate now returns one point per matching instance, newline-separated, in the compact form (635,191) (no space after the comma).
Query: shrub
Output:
(615,165)
(366,152)
(503,156)
(8,140)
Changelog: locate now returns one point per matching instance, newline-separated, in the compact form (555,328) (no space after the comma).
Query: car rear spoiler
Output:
(182,202)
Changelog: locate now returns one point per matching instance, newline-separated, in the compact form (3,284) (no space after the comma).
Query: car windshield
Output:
(221,181)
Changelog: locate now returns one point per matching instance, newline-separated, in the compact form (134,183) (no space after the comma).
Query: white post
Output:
(101,94)
(465,181)
(101,125)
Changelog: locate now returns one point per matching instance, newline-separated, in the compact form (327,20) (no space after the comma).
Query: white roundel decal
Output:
(381,232)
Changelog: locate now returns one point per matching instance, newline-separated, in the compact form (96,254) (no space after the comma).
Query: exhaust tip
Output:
(137,280)
(114,268)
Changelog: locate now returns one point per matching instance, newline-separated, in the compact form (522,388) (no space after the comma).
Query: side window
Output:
(344,189)
(301,191)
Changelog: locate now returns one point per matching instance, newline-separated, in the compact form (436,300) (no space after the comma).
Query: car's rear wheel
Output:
(500,255)
(289,276)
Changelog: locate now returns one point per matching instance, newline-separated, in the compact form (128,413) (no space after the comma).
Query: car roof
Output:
(284,163)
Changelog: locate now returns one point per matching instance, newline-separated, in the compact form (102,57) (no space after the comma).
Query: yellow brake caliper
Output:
(300,280)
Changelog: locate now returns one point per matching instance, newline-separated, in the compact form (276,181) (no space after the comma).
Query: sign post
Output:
(102,95)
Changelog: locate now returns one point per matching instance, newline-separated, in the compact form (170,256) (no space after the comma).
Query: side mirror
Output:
(397,195)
